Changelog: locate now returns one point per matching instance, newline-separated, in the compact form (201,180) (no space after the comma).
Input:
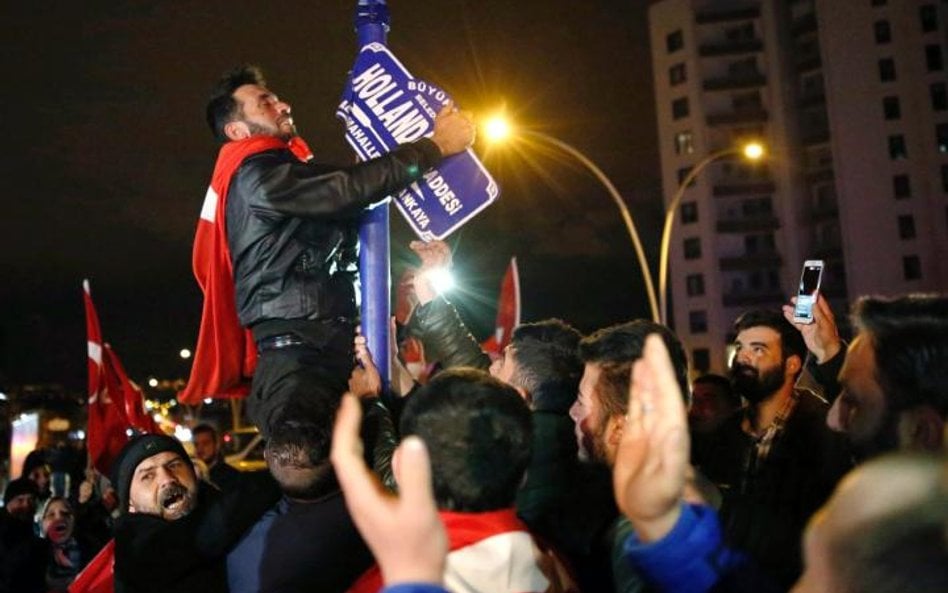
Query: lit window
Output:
(684,143)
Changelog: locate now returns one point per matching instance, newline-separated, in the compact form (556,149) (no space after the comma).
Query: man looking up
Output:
(207,447)
(776,462)
(280,252)
(174,530)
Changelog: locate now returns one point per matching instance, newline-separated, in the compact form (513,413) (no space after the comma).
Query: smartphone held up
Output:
(810,279)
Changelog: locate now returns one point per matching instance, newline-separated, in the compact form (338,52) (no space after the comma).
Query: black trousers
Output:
(296,374)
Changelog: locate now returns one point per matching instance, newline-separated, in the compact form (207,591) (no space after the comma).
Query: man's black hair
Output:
(791,341)
(478,433)
(547,353)
(616,349)
(300,438)
(909,337)
(204,428)
(722,385)
(222,108)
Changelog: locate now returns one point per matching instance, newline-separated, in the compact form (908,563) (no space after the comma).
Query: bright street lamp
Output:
(752,151)
(498,129)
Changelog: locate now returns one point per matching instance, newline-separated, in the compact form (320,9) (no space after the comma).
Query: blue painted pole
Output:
(372,24)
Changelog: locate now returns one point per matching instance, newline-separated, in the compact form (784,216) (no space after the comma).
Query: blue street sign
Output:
(384,106)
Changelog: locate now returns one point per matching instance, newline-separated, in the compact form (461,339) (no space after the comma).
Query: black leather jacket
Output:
(291,229)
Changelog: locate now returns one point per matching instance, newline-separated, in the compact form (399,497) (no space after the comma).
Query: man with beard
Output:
(276,250)
(175,531)
(892,377)
(775,460)
(599,415)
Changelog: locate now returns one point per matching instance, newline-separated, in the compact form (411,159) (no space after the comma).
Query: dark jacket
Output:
(188,555)
(445,337)
(766,508)
(297,547)
(291,229)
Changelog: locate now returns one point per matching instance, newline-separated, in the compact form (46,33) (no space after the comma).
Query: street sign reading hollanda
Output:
(385,106)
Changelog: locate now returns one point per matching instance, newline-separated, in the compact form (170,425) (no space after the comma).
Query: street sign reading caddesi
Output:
(385,106)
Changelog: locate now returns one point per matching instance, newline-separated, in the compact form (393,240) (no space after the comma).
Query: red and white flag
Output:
(99,575)
(114,404)
(508,311)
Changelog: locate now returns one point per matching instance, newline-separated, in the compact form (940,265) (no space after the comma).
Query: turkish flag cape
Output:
(508,311)
(225,355)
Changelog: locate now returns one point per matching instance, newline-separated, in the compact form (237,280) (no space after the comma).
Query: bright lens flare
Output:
(441,279)
(497,129)
(754,151)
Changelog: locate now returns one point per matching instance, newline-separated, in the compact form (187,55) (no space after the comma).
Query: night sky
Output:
(107,156)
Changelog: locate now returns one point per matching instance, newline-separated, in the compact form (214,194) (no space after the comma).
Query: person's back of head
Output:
(909,337)
(297,451)
(616,348)
(478,431)
(897,542)
(547,354)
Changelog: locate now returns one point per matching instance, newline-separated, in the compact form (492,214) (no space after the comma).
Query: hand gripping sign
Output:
(385,106)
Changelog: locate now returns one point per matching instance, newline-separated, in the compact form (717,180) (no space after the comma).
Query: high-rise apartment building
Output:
(849,96)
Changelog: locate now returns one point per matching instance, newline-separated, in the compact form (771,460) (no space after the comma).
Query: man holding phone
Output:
(775,460)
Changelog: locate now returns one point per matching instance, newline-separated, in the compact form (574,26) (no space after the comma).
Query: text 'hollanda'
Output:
(404,121)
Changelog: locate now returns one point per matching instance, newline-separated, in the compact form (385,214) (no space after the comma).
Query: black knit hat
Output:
(134,452)
(21,485)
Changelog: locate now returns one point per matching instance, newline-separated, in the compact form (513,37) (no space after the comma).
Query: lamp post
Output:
(497,129)
(752,151)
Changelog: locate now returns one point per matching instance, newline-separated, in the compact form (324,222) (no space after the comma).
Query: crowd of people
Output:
(568,463)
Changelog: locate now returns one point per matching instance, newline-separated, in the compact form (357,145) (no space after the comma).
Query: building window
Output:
(933,59)
(897,148)
(906,227)
(692,248)
(677,74)
(682,173)
(911,267)
(941,138)
(929,17)
(689,212)
(684,143)
(674,41)
(883,32)
(680,108)
(901,187)
(886,69)
(944,178)
(891,109)
(701,360)
(939,96)
(694,284)
(698,322)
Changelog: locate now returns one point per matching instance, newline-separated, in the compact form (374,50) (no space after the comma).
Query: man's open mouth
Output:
(59,528)
(173,498)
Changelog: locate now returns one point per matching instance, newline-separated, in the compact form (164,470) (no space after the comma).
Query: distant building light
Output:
(185,353)
(208,400)
(152,382)
(3,396)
